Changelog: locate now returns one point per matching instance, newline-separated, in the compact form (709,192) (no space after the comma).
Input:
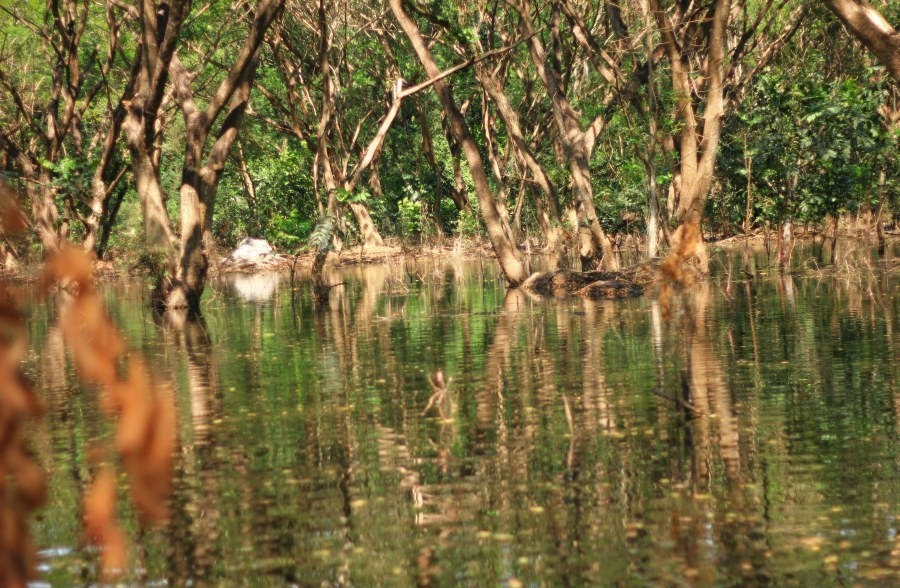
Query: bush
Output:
(288,232)
(411,218)
(469,225)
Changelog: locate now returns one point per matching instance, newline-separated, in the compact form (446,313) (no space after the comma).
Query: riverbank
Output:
(812,251)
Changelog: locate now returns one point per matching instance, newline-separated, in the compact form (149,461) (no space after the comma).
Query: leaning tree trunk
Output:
(870,27)
(548,208)
(109,217)
(504,248)
(576,144)
(200,176)
(592,237)
(367,228)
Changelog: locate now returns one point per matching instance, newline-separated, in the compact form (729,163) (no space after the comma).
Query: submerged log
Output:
(595,285)
(564,282)
(645,273)
(610,290)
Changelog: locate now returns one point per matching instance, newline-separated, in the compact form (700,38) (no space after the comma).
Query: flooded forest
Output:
(435,293)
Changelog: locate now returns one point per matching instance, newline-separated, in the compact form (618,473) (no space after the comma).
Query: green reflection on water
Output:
(305,456)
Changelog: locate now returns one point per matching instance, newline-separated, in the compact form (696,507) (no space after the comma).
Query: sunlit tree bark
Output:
(202,171)
(160,26)
(505,249)
(868,25)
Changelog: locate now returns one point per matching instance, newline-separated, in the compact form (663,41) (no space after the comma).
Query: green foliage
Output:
(360,196)
(287,232)
(411,217)
(284,205)
(470,225)
(320,239)
(806,145)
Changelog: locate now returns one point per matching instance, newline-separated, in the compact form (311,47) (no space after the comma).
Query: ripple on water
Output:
(559,454)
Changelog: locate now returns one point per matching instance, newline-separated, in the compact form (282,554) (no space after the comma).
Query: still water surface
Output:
(560,458)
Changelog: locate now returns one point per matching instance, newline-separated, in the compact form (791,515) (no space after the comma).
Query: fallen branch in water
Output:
(680,401)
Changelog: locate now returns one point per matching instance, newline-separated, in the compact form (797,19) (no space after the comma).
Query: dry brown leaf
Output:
(12,220)
(145,417)
(100,524)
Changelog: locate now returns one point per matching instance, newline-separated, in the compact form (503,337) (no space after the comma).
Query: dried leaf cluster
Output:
(144,414)
(23,486)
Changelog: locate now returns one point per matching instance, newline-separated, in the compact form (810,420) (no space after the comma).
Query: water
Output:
(558,457)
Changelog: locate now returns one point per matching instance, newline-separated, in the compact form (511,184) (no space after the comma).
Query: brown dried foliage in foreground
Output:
(23,485)
(144,414)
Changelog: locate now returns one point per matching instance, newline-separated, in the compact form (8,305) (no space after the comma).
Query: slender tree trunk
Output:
(506,252)
(250,189)
(367,228)
(592,237)
(879,221)
(428,152)
(834,238)
(548,208)
(459,190)
(653,206)
(785,244)
(748,165)
(108,219)
(516,223)
(500,178)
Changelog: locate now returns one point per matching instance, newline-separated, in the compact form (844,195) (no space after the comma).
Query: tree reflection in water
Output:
(306,456)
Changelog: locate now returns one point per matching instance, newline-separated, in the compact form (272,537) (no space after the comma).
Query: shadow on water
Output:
(560,455)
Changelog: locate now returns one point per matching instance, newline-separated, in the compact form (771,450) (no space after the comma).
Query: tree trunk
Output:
(653,218)
(592,237)
(507,255)
(108,219)
(879,221)
(699,139)
(8,259)
(367,228)
(44,213)
(459,190)
(250,189)
(577,144)
(871,28)
(158,231)
(200,176)
(428,152)
(497,169)
(548,212)
(834,238)
(785,245)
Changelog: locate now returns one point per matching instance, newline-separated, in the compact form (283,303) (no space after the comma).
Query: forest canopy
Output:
(173,129)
